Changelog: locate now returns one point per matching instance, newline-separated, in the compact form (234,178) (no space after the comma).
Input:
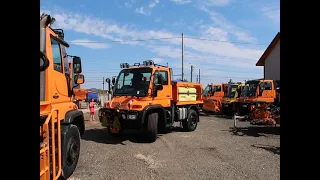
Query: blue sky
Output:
(223,38)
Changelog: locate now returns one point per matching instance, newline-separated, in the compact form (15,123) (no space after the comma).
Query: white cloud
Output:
(147,10)
(129,3)
(272,12)
(214,33)
(154,3)
(203,54)
(220,21)
(157,60)
(219,3)
(89,44)
(181,1)
(141,10)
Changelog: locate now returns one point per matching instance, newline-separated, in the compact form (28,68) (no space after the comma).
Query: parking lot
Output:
(212,151)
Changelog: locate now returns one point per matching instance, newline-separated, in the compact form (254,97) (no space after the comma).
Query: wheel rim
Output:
(73,151)
(193,120)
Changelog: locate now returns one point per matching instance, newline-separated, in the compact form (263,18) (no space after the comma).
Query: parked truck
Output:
(61,123)
(259,102)
(145,98)
(212,98)
(230,98)
(92,95)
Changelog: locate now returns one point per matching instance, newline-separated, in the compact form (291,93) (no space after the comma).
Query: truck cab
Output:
(229,100)
(146,98)
(260,90)
(212,97)
(61,124)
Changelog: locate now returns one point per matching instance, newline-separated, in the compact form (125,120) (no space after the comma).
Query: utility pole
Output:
(191,73)
(167,65)
(103,90)
(197,78)
(199,75)
(182,56)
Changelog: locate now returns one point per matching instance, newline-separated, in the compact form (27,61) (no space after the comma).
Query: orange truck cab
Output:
(260,90)
(145,98)
(212,97)
(61,123)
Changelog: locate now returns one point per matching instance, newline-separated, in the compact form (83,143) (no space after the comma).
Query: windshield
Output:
(207,90)
(133,82)
(250,89)
(232,89)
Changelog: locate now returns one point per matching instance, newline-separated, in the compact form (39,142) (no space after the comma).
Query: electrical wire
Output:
(164,38)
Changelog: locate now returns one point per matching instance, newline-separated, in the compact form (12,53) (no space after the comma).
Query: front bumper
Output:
(127,119)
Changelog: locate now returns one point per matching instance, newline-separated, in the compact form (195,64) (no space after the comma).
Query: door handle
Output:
(56,96)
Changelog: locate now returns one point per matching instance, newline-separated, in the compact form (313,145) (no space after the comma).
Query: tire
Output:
(191,123)
(70,158)
(152,127)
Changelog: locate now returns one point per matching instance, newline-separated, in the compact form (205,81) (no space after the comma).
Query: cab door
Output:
(164,95)
(206,98)
(59,91)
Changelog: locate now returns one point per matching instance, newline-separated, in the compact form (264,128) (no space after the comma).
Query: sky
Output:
(222,38)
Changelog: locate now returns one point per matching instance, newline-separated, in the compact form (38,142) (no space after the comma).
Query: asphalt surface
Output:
(212,151)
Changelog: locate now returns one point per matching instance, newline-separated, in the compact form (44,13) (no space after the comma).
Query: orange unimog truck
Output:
(61,123)
(259,102)
(212,98)
(145,98)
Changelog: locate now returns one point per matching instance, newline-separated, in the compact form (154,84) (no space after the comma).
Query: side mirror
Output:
(77,68)
(160,79)
(44,62)
(108,80)
(79,79)
(158,87)
(113,81)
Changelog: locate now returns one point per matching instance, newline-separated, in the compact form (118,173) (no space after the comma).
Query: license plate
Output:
(132,117)
(244,105)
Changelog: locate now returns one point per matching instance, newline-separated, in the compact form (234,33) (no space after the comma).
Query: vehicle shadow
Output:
(100,135)
(273,149)
(255,131)
(224,116)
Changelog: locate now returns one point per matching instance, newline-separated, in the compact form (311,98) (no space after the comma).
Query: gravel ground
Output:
(213,151)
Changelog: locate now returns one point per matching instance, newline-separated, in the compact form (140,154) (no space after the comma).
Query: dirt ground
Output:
(212,151)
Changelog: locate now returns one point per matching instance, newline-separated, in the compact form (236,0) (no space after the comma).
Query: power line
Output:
(233,42)
(164,38)
(132,40)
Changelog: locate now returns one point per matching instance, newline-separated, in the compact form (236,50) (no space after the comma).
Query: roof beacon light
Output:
(124,65)
(148,63)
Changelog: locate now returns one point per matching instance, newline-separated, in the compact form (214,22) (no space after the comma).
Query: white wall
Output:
(272,64)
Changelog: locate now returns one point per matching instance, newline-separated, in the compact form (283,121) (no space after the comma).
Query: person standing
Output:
(92,108)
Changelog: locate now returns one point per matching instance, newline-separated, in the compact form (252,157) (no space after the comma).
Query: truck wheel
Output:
(190,124)
(70,150)
(152,127)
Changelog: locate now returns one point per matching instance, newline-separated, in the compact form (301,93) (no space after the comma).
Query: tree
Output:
(230,81)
